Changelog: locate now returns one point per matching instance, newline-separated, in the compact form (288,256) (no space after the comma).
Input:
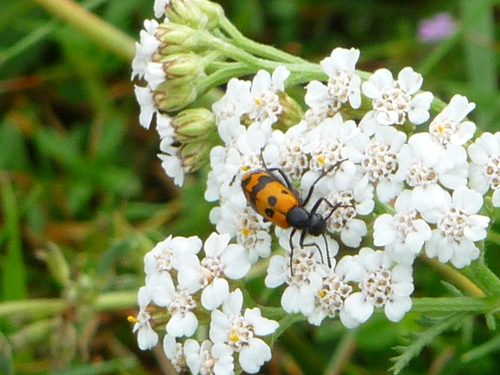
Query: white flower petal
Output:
(396,309)
(253,356)
(214,294)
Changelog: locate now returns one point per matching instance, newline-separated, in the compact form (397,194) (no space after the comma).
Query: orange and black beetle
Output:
(276,201)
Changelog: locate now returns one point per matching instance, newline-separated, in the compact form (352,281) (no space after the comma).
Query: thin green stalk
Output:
(307,70)
(14,279)
(258,49)
(37,35)
(222,76)
(343,352)
(32,307)
(494,237)
(455,304)
(45,306)
(455,277)
(233,52)
(483,277)
(32,333)
(27,42)
(94,28)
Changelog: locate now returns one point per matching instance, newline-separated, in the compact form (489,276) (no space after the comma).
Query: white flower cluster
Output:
(428,183)
(436,188)
(145,67)
(179,282)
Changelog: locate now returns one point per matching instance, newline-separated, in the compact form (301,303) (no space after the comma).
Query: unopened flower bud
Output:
(194,13)
(193,125)
(292,112)
(182,67)
(195,155)
(212,10)
(176,38)
(171,96)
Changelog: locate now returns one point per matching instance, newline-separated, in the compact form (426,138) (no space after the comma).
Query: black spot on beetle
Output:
(272,200)
(269,212)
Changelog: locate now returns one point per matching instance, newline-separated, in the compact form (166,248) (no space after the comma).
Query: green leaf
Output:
(6,365)
(115,366)
(14,282)
(13,151)
(420,340)
(488,347)
(64,150)
(480,57)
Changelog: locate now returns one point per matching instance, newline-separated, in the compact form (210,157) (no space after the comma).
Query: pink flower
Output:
(437,28)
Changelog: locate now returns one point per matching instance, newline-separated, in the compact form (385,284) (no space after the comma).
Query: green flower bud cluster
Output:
(184,60)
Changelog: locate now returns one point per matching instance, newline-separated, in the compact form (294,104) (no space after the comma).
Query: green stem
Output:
(33,333)
(286,323)
(258,49)
(302,72)
(483,277)
(14,279)
(494,237)
(94,28)
(343,352)
(46,307)
(32,307)
(222,76)
(116,300)
(455,304)
(455,277)
(227,49)
(35,37)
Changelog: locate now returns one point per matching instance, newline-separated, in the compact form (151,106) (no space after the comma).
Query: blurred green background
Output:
(83,196)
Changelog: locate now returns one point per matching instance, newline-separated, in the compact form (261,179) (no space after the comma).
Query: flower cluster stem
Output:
(262,50)
(303,70)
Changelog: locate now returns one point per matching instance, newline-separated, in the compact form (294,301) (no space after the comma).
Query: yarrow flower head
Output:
(303,277)
(222,260)
(458,227)
(397,101)
(337,285)
(448,126)
(377,156)
(343,86)
(484,171)
(208,358)
(264,91)
(381,285)
(403,234)
(239,332)
(147,338)
(352,191)
(424,167)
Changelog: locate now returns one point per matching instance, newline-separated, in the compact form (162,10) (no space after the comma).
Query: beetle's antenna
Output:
(262,158)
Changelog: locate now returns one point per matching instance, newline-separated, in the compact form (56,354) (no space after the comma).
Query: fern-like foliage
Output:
(436,326)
